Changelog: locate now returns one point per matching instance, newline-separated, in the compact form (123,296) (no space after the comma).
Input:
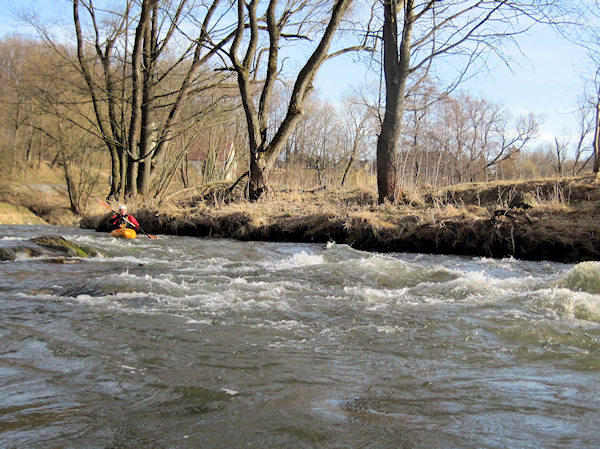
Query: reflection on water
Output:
(186,343)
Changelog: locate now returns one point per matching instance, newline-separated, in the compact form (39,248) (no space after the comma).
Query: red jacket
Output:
(116,220)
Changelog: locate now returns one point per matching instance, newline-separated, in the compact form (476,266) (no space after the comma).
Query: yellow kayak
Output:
(124,233)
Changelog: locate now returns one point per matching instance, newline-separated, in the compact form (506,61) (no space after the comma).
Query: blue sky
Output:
(546,80)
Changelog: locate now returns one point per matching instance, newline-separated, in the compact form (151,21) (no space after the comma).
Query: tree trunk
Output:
(597,139)
(137,85)
(147,111)
(258,176)
(71,187)
(347,170)
(115,179)
(396,69)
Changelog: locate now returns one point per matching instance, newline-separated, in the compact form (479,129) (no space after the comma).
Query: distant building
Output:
(214,160)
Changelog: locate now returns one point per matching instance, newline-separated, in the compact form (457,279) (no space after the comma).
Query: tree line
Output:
(138,82)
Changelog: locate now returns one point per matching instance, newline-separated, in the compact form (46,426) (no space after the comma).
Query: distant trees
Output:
(329,142)
(144,80)
(22,140)
(43,111)
(459,139)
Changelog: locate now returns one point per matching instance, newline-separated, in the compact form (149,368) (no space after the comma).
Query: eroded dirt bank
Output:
(495,221)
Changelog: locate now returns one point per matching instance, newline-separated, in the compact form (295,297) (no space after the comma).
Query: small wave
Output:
(375,295)
(565,303)
(305,259)
(506,263)
(282,324)
(583,277)
(389,329)
(475,287)
(301,259)
(20,255)
(336,252)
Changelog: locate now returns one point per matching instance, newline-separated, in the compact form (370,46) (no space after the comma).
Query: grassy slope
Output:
(18,215)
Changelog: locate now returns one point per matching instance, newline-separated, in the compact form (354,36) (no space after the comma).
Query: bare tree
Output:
(137,96)
(296,20)
(416,34)
(583,148)
(561,148)
(583,30)
(357,119)
(596,141)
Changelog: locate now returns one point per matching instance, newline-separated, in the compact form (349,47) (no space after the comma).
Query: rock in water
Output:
(64,246)
(13,252)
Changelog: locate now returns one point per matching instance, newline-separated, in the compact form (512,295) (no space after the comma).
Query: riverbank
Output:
(536,220)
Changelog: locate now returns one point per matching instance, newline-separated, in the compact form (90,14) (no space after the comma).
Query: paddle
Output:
(126,220)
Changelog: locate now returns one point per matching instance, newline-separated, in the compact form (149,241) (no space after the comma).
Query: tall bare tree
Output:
(596,141)
(297,20)
(137,105)
(416,34)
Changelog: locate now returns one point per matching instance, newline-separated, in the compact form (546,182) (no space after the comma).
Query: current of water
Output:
(203,343)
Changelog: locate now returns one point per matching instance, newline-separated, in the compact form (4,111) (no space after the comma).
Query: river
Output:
(212,343)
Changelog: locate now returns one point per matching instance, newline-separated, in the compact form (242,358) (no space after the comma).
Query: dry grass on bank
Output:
(461,202)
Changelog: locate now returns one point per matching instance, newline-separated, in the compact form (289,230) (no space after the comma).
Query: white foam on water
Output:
(558,302)
(147,283)
(583,277)
(131,369)
(475,287)
(211,263)
(304,259)
(229,391)
(282,324)
(508,263)
(193,321)
(380,262)
(22,256)
(301,259)
(111,298)
(227,300)
(374,295)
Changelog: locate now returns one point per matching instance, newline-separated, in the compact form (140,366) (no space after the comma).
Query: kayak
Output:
(124,233)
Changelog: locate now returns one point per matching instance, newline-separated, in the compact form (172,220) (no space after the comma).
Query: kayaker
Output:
(123,220)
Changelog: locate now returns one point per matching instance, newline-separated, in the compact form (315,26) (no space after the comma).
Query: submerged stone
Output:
(14,252)
(64,246)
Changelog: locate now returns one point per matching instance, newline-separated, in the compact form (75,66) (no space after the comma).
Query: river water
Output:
(206,343)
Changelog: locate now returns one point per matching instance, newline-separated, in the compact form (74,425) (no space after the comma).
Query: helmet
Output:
(122,207)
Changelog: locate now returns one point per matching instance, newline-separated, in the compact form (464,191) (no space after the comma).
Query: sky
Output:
(546,80)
